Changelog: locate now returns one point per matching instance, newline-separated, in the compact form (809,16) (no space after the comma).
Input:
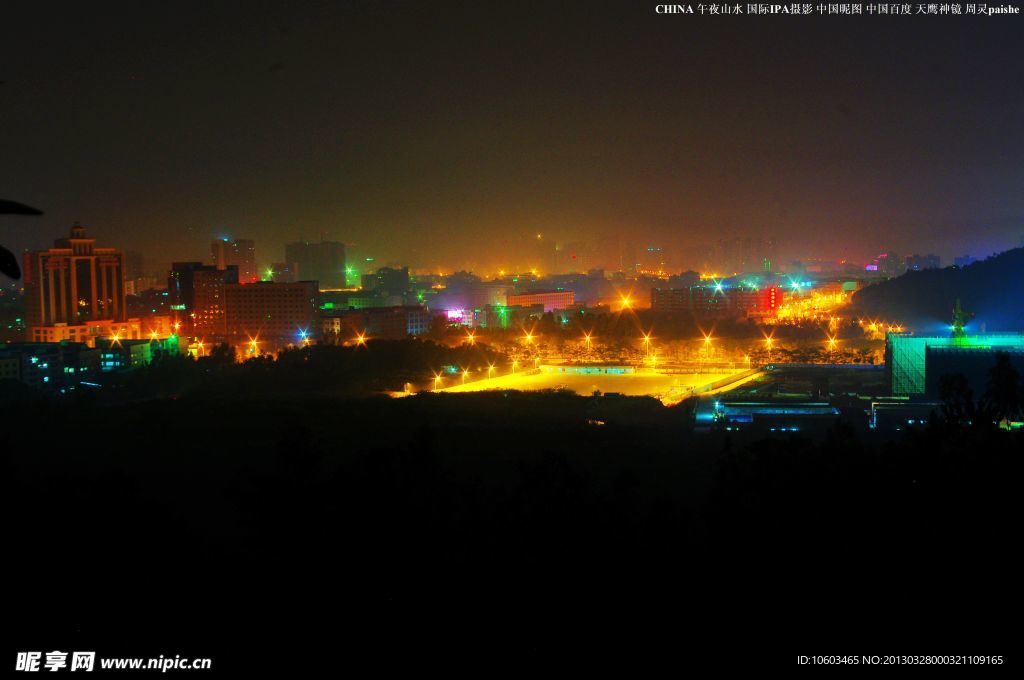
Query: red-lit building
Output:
(717,300)
(754,302)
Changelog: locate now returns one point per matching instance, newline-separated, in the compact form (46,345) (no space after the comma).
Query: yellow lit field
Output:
(664,386)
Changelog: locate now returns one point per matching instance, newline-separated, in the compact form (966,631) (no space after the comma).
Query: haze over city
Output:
(445,138)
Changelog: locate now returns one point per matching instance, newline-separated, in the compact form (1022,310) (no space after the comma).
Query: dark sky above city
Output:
(447,134)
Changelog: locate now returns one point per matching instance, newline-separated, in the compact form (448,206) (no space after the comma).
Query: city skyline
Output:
(387,333)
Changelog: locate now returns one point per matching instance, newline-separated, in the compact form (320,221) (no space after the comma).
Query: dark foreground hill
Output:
(992,289)
(282,536)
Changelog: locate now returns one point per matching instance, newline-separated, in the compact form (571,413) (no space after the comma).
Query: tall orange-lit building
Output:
(74,283)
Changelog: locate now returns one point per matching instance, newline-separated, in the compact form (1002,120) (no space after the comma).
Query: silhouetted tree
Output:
(222,354)
(1002,399)
(957,399)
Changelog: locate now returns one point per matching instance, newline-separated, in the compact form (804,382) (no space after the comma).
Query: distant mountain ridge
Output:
(992,289)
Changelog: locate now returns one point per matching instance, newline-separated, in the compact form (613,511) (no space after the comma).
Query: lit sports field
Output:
(666,387)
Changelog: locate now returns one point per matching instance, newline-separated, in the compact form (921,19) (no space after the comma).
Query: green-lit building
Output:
(913,362)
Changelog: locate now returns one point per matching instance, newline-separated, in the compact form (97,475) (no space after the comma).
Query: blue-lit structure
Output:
(915,363)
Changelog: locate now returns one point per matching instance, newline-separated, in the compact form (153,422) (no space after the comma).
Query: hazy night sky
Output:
(442,133)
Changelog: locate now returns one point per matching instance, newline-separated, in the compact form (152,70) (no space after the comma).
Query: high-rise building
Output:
(323,262)
(388,280)
(273,314)
(208,314)
(74,282)
(180,284)
(240,253)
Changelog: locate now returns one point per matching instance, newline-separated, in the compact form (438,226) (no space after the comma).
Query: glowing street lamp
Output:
(361,339)
(586,339)
(627,303)
(528,337)
(515,364)
(437,381)
(470,338)
(465,372)
(647,344)
(490,370)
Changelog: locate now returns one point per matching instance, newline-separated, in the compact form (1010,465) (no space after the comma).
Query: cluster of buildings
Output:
(762,297)
(84,314)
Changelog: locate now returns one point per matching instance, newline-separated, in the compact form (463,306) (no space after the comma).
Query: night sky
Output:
(444,134)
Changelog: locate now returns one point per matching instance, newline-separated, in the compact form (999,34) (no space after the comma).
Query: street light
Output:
(361,339)
(465,372)
(437,381)
(470,338)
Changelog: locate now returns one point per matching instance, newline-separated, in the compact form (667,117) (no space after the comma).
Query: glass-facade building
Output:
(906,356)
